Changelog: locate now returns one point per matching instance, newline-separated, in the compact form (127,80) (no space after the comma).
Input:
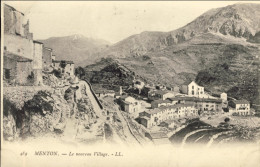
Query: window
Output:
(192,87)
(192,92)
(7,73)
(5,48)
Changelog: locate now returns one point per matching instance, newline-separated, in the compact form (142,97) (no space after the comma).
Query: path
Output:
(189,134)
(92,99)
(127,132)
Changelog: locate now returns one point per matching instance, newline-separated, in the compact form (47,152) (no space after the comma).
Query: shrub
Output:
(227,120)
(57,73)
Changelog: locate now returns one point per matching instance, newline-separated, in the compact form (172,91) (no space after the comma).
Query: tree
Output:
(227,120)
(79,71)
(63,64)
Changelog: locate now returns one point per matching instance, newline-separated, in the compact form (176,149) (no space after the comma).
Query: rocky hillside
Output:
(63,111)
(75,47)
(108,72)
(239,21)
(220,45)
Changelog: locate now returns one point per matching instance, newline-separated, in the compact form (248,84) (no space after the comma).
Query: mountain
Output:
(75,47)
(218,49)
(239,20)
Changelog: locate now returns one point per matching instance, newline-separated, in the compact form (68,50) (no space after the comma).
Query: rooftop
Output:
(34,41)
(162,108)
(241,102)
(59,61)
(13,8)
(47,48)
(195,99)
(161,101)
(161,92)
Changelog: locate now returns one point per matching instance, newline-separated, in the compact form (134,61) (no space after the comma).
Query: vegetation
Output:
(57,73)
(80,72)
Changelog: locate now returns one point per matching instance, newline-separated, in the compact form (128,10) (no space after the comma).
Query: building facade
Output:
(129,104)
(160,94)
(156,116)
(47,58)
(66,67)
(192,89)
(21,52)
(202,104)
(240,107)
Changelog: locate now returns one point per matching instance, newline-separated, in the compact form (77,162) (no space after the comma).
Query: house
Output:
(118,92)
(192,89)
(20,48)
(104,92)
(47,58)
(160,94)
(155,116)
(158,103)
(223,96)
(240,107)
(146,90)
(202,104)
(176,89)
(17,69)
(66,67)
(139,85)
(129,104)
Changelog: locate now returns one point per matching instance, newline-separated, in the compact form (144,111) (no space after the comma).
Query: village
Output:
(151,113)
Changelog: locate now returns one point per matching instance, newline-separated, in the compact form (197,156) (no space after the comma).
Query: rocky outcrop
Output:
(45,111)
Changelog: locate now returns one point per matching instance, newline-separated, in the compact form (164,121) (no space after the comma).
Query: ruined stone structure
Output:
(47,57)
(22,55)
(17,69)
(66,67)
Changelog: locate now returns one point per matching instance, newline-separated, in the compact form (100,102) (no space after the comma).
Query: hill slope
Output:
(75,47)
(201,50)
(240,20)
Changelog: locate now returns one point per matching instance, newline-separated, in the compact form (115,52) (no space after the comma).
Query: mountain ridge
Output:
(75,47)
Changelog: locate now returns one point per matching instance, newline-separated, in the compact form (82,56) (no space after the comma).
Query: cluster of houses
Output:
(190,100)
(25,59)
(156,116)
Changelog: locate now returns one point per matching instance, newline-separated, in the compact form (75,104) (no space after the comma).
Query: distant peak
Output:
(77,36)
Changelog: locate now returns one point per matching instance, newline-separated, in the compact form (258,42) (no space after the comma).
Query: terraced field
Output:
(202,133)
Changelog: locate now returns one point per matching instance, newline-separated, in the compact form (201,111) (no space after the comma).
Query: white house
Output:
(192,89)
(240,107)
(223,96)
(129,104)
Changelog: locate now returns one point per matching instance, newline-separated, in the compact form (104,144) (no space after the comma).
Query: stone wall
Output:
(37,55)
(38,81)
(47,57)
(20,94)
(27,33)
(10,64)
(13,21)
(24,73)
(19,45)
(69,69)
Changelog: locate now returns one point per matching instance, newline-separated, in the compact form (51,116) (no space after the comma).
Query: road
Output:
(131,139)
(92,99)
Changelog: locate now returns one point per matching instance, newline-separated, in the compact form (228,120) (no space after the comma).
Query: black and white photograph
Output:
(130,83)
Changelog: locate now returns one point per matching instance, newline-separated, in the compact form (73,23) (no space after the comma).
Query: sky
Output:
(108,20)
